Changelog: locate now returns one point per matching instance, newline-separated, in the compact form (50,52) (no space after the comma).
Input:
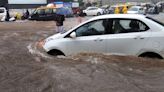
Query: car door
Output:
(141,11)
(88,11)
(49,14)
(90,38)
(2,12)
(91,11)
(95,11)
(41,14)
(129,36)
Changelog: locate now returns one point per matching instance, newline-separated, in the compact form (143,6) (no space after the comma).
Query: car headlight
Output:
(49,39)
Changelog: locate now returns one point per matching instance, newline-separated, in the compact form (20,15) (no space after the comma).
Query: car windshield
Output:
(111,8)
(133,9)
(156,21)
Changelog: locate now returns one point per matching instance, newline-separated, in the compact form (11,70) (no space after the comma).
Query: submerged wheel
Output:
(151,55)
(55,53)
(98,13)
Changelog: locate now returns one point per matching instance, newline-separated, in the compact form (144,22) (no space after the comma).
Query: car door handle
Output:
(141,38)
(138,37)
(98,39)
(135,38)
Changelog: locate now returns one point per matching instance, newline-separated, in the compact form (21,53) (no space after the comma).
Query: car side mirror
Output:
(73,35)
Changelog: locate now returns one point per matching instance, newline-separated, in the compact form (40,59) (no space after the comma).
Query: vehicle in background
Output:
(93,11)
(136,10)
(111,34)
(151,11)
(111,10)
(3,13)
(4,16)
(105,9)
(48,13)
(160,6)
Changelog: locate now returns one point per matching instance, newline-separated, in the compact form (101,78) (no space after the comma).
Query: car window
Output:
(133,9)
(2,11)
(128,26)
(92,28)
(54,10)
(141,9)
(48,11)
(41,11)
(92,8)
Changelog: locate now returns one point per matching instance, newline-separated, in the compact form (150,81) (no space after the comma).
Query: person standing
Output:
(116,11)
(156,9)
(79,16)
(125,9)
(7,17)
(27,14)
(59,19)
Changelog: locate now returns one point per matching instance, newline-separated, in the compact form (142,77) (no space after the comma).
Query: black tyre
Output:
(151,55)
(84,14)
(98,13)
(55,53)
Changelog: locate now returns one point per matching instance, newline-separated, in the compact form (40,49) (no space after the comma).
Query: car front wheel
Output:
(98,13)
(55,52)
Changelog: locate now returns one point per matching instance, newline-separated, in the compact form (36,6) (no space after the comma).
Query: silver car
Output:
(123,34)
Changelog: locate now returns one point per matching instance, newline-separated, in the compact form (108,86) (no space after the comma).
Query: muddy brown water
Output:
(25,67)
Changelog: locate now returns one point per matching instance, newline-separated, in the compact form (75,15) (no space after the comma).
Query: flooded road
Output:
(25,67)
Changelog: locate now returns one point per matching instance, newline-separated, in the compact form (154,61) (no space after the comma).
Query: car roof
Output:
(128,16)
(46,8)
(92,7)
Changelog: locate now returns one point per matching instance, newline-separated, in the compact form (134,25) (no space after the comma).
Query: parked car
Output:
(48,13)
(151,11)
(3,13)
(136,10)
(93,11)
(4,16)
(105,9)
(126,34)
(160,6)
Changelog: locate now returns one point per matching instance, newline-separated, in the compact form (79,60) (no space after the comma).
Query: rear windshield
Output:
(156,21)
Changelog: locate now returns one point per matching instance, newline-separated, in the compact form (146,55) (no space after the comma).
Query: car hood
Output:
(55,36)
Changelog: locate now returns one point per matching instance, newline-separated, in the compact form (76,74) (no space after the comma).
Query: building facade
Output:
(111,2)
(123,1)
(19,5)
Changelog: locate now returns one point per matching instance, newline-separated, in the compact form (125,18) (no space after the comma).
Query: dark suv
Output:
(46,13)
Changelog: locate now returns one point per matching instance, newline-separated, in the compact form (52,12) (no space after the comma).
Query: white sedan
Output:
(136,10)
(93,11)
(123,34)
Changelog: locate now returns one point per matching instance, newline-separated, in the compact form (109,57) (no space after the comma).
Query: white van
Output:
(3,13)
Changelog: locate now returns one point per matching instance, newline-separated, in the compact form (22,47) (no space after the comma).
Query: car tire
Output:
(55,53)
(84,14)
(98,13)
(151,55)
